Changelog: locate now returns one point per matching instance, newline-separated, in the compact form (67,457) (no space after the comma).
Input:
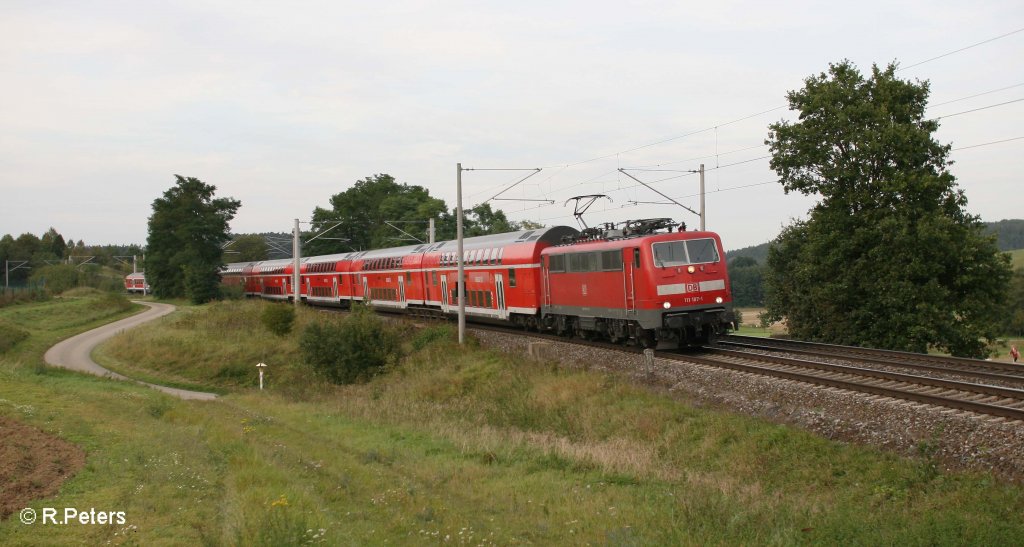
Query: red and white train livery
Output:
(648,286)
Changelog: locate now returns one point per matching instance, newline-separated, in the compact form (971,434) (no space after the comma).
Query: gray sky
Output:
(282,105)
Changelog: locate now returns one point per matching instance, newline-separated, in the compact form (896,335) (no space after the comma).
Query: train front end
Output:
(684,297)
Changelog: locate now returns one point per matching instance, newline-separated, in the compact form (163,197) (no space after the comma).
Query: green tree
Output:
(888,257)
(746,278)
(248,248)
(53,242)
(361,213)
(186,231)
(1013,315)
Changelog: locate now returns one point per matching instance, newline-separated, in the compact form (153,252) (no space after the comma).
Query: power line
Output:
(981,108)
(754,115)
(975,95)
(963,49)
(987,143)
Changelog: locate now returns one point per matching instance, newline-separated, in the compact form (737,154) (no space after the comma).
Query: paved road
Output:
(75,352)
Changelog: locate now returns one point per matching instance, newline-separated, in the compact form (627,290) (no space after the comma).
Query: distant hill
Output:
(1009,233)
(1009,236)
(757,252)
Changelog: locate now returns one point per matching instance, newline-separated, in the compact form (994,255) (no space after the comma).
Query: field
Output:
(1017,258)
(454,445)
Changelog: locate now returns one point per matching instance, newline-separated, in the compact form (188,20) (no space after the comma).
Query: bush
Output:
(12,296)
(438,334)
(115,302)
(57,278)
(10,335)
(351,350)
(278,318)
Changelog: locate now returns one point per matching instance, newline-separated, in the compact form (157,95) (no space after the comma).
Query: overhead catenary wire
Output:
(562,167)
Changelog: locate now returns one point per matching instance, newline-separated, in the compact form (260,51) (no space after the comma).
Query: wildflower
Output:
(280,502)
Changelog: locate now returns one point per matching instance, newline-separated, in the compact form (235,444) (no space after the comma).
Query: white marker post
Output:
(261,366)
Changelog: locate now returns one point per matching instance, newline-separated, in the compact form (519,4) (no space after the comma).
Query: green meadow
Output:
(454,445)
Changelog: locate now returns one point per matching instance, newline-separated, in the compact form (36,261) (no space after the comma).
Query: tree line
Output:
(54,262)
(189,240)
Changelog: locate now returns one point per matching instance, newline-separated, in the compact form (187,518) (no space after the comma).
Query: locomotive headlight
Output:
(718,300)
(691,269)
(666,305)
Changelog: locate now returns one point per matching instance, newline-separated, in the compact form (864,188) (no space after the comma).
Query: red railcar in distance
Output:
(654,286)
(136,282)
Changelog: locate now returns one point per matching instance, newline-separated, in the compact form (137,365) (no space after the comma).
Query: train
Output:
(648,282)
(136,282)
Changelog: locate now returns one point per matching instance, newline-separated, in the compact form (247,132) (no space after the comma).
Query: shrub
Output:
(351,350)
(115,302)
(278,318)
(438,334)
(10,335)
(13,296)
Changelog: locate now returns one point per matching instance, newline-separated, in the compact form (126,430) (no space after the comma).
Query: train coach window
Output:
(511,278)
(636,258)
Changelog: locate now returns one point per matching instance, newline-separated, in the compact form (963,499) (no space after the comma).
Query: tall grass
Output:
(461,445)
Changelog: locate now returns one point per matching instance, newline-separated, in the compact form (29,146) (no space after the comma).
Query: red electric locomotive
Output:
(645,283)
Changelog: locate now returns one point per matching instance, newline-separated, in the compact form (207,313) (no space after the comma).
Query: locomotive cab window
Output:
(682,253)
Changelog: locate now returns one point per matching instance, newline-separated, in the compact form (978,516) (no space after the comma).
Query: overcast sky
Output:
(282,105)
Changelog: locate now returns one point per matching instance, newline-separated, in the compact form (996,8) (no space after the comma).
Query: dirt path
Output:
(33,464)
(75,352)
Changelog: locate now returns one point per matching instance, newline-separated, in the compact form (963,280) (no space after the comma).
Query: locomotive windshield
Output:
(681,253)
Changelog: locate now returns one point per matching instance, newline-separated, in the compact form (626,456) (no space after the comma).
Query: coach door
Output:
(499,291)
(546,280)
(444,293)
(366,291)
(401,291)
(334,291)
(630,260)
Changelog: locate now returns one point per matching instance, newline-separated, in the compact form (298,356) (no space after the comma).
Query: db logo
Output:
(692,287)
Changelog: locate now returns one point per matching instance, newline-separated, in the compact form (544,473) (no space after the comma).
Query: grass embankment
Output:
(464,446)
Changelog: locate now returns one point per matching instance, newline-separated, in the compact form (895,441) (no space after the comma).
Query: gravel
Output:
(960,440)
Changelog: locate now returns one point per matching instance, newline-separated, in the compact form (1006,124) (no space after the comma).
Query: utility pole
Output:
(703,218)
(458,229)
(462,266)
(431,232)
(701,213)
(296,265)
(8,270)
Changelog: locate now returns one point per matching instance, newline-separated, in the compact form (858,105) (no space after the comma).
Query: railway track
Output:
(978,398)
(972,368)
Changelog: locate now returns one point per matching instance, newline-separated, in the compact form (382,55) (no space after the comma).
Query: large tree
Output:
(888,257)
(186,232)
(363,212)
